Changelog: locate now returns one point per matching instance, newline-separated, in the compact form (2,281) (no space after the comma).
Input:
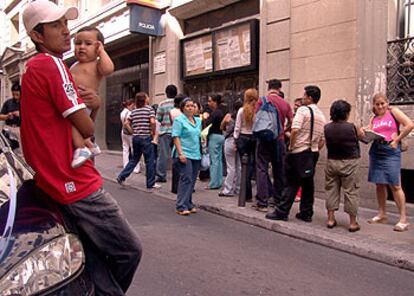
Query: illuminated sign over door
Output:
(145,20)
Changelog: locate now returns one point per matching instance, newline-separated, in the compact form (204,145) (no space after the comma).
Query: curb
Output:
(312,235)
(368,249)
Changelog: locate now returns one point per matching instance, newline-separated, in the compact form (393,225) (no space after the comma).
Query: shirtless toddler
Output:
(93,63)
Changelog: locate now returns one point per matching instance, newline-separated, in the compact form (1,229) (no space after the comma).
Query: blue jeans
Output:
(164,152)
(113,250)
(215,149)
(188,175)
(141,145)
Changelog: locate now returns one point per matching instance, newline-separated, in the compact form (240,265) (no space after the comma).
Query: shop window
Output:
(230,87)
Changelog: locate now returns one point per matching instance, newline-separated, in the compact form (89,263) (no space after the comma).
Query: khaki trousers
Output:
(342,176)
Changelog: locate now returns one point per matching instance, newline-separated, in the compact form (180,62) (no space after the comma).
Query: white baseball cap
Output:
(45,11)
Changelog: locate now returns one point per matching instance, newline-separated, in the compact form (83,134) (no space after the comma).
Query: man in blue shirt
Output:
(164,142)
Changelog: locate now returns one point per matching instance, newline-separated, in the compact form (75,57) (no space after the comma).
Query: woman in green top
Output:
(186,131)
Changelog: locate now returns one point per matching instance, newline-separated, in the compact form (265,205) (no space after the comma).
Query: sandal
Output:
(400,227)
(355,228)
(331,225)
(378,220)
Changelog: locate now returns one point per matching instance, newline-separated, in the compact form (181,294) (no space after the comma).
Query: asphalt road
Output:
(205,254)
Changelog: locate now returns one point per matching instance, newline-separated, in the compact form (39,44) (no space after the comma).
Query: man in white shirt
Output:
(300,140)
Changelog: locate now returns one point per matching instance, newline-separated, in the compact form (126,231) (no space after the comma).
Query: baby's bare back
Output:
(86,75)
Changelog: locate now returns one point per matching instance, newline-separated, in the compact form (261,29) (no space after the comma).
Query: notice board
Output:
(233,47)
(198,55)
(220,52)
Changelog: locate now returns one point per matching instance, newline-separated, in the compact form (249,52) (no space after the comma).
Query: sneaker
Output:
(276,216)
(222,194)
(183,212)
(304,218)
(156,186)
(80,156)
(120,181)
(193,210)
(262,209)
(95,150)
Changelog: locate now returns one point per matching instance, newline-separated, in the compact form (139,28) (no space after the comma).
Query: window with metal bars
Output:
(400,56)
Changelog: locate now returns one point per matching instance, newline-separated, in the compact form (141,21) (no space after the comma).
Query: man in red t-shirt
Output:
(272,152)
(50,105)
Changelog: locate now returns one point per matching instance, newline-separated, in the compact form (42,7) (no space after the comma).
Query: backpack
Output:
(266,126)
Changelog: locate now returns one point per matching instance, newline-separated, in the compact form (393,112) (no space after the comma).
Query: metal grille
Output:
(400,71)
(400,57)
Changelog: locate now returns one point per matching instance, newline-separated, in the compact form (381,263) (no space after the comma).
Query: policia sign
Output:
(145,19)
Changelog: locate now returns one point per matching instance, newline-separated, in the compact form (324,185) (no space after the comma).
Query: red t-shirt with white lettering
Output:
(48,96)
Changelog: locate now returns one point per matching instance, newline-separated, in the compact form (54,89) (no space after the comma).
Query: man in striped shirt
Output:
(164,142)
(141,123)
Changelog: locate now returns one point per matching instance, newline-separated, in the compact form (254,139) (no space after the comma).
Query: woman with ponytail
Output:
(243,135)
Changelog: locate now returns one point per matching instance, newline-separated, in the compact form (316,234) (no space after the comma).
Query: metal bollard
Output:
(243,178)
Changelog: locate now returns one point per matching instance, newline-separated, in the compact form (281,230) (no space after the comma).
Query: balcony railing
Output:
(400,71)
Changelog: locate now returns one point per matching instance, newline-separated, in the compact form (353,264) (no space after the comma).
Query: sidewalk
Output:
(376,242)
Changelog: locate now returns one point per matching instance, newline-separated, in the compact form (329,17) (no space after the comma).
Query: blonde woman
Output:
(385,158)
(243,135)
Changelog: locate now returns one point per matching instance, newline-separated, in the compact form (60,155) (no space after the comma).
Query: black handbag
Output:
(301,165)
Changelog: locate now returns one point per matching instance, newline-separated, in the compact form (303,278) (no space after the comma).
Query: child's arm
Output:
(105,65)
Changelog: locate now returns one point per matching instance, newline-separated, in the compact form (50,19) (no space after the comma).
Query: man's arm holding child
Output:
(82,122)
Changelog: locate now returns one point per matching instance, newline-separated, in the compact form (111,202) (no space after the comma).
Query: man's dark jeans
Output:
(274,153)
(141,145)
(113,250)
(308,190)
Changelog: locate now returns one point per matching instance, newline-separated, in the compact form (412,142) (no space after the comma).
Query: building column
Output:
(371,72)
(167,49)
(274,44)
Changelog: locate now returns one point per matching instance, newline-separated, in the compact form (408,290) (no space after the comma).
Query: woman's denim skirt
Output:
(384,164)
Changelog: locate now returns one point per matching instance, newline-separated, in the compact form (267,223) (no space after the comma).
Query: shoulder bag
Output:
(301,165)
(403,142)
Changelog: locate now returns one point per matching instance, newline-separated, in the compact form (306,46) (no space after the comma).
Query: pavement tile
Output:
(377,242)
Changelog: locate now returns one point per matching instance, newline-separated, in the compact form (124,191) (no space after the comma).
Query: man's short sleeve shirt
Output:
(163,115)
(48,96)
(301,122)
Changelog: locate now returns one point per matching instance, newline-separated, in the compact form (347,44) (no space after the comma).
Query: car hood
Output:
(37,221)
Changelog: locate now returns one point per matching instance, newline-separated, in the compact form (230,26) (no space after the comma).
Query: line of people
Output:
(284,167)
